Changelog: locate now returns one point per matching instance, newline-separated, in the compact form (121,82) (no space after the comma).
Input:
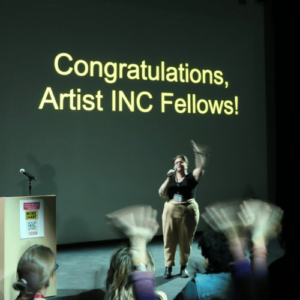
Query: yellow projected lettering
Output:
(218,77)
(156,77)
(210,76)
(204,109)
(56,64)
(236,101)
(99,66)
(201,106)
(180,103)
(194,103)
(216,106)
(186,72)
(75,101)
(130,104)
(88,99)
(195,78)
(228,107)
(133,72)
(48,93)
(189,103)
(164,101)
(121,67)
(99,97)
(78,99)
(70,96)
(112,77)
(85,68)
(113,100)
(143,67)
(123,102)
(111,71)
(133,101)
(172,74)
(162,64)
(181,69)
(138,102)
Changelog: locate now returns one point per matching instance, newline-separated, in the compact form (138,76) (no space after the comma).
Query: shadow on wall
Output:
(45,184)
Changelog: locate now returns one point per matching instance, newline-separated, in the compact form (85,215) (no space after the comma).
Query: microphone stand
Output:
(30,177)
(29,185)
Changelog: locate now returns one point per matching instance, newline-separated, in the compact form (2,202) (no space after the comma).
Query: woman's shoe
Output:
(168,272)
(183,272)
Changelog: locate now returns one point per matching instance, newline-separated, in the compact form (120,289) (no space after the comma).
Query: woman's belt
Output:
(182,200)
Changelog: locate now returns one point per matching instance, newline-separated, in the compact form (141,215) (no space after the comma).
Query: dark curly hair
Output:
(214,246)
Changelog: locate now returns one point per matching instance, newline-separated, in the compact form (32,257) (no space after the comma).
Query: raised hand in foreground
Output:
(261,220)
(139,224)
(224,217)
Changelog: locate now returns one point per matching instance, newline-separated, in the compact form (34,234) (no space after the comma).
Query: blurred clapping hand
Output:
(260,221)
(224,217)
(135,222)
(236,219)
(261,218)
(139,224)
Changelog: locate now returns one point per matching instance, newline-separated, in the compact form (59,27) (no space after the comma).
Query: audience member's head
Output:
(35,270)
(118,286)
(215,249)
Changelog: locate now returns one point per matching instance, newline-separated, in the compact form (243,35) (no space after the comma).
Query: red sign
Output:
(31,205)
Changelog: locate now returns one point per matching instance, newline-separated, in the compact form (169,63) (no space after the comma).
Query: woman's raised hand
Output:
(199,149)
(200,152)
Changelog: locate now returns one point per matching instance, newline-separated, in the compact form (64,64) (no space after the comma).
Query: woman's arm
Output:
(223,217)
(139,224)
(163,190)
(200,158)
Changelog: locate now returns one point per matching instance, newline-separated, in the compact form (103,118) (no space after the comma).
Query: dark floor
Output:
(83,267)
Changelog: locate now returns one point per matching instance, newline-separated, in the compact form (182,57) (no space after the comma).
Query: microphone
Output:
(171,174)
(27,174)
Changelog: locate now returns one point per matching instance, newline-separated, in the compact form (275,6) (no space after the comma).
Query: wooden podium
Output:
(11,244)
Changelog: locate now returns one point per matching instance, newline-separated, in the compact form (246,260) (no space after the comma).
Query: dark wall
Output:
(285,17)
(97,159)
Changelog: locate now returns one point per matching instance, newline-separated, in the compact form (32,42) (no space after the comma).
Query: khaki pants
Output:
(180,220)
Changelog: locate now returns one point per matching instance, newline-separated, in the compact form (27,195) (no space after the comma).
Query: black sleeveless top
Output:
(186,188)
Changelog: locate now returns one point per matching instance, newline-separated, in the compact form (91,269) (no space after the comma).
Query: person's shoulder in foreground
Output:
(205,286)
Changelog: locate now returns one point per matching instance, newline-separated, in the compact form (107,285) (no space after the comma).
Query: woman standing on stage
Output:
(181,212)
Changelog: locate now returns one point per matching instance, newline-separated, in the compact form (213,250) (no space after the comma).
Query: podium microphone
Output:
(31,177)
(171,174)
